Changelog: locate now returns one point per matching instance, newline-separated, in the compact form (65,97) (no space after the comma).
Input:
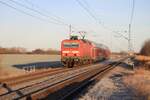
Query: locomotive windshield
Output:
(71,45)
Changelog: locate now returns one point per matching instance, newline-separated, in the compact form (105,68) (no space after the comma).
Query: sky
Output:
(26,30)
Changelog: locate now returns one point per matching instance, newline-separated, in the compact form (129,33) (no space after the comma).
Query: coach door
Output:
(94,53)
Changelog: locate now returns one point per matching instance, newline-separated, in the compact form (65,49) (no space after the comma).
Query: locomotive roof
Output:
(99,45)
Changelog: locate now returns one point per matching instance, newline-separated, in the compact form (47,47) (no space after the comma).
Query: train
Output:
(76,52)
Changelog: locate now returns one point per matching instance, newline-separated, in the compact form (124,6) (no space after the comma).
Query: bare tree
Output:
(145,50)
(13,50)
(38,51)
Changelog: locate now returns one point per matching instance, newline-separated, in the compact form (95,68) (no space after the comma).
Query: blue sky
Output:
(17,29)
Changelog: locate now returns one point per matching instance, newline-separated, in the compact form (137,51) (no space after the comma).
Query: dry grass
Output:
(140,81)
(8,60)
(1,57)
(5,71)
(10,72)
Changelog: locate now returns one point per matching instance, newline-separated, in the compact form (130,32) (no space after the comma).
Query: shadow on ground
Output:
(126,66)
(123,91)
(40,65)
(67,92)
(48,64)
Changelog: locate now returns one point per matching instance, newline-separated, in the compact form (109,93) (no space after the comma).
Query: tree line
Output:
(20,50)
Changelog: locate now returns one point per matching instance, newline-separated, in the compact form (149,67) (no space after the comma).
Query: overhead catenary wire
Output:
(43,10)
(31,15)
(37,11)
(94,17)
(91,10)
(87,10)
(51,14)
(28,2)
(43,14)
(87,4)
(91,14)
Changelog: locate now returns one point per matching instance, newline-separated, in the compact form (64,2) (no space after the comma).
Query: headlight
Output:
(75,51)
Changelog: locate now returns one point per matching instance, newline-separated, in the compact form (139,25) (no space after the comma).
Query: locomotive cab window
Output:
(71,45)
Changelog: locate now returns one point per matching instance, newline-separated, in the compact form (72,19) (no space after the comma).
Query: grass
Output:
(140,81)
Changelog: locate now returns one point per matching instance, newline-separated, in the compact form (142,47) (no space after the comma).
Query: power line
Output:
(27,1)
(34,10)
(90,12)
(48,13)
(33,5)
(86,9)
(107,28)
(41,13)
(43,10)
(90,8)
(21,11)
(31,15)
(87,4)
(94,17)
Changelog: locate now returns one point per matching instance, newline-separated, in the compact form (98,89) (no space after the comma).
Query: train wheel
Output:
(70,64)
(89,61)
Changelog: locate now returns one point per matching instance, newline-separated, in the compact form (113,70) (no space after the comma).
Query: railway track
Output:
(23,80)
(27,79)
(95,77)
(59,80)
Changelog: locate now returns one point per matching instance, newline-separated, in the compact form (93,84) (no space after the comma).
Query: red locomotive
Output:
(76,51)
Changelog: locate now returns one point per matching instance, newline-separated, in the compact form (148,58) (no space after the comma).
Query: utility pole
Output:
(130,23)
(129,39)
(70,30)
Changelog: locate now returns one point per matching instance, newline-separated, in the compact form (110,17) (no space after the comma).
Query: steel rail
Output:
(24,76)
(16,82)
